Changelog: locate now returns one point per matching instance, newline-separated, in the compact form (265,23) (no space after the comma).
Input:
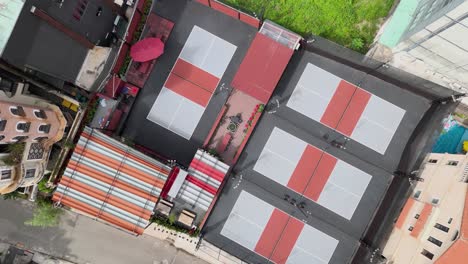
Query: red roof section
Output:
(262,68)
(421,222)
(457,253)
(404,213)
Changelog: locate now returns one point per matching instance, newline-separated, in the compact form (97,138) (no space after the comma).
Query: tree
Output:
(45,215)
(15,154)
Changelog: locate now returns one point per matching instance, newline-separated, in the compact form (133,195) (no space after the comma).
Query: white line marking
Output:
(176,112)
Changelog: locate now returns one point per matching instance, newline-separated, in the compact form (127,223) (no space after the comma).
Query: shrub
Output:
(357,44)
(42,186)
(91,111)
(14,196)
(166,222)
(15,155)
(172,219)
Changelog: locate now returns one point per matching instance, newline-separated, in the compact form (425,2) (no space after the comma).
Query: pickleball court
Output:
(192,82)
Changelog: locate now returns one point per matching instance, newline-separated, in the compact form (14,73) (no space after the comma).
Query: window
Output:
(452,163)
(432,161)
(30,173)
(442,227)
(6,175)
(41,138)
(17,111)
(435,201)
(417,194)
(427,254)
(23,126)
(416,216)
(3,125)
(44,128)
(435,241)
(20,138)
(450,220)
(410,228)
(40,114)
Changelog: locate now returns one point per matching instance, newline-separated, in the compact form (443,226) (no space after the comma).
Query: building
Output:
(333,128)
(29,126)
(428,39)
(111,181)
(433,224)
(60,42)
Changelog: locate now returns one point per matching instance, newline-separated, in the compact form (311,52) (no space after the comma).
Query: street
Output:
(80,239)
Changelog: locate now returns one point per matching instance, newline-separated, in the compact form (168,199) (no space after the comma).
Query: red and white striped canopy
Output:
(204,178)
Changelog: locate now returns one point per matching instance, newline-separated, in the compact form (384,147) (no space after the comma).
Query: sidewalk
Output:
(205,251)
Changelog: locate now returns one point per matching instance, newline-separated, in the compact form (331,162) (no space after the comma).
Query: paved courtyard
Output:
(80,239)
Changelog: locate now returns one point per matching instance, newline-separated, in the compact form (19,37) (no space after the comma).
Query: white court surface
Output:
(378,124)
(207,51)
(182,102)
(340,105)
(176,113)
(344,189)
(313,92)
(275,235)
(280,156)
(319,176)
(246,222)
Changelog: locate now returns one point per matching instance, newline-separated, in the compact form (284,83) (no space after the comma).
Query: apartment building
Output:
(433,224)
(30,126)
(428,38)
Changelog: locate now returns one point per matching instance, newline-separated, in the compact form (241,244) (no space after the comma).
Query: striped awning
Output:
(205,175)
(111,181)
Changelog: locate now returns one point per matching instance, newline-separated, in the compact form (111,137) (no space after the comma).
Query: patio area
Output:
(156,27)
(241,109)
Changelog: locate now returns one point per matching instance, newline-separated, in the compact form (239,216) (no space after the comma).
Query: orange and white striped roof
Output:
(111,181)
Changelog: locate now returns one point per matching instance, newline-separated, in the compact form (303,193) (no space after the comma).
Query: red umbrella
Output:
(147,49)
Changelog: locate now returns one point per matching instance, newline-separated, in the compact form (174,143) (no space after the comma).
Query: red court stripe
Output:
(305,168)
(337,105)
(288,239)
(272,233)
(207,169)
(196,75)
(188,90)
(353,112)
(201,184)
(320,177)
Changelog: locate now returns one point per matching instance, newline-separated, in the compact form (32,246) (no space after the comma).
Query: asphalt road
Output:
(80,239)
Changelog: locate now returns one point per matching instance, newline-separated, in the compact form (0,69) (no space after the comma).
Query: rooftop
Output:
(111,181)
(321,157)
(155,135)
(324,152)
(37,45)
(432,226)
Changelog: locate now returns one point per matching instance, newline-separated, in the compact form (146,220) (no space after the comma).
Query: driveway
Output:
(83,240)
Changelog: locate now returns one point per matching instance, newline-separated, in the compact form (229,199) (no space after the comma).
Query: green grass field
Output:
(351,23)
